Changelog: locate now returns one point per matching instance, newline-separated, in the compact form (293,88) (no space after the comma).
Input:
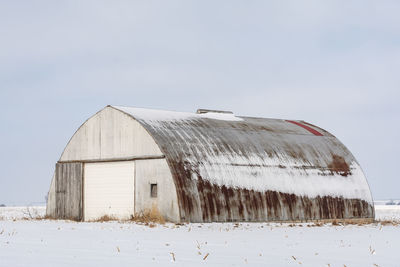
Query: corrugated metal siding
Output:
(229,168)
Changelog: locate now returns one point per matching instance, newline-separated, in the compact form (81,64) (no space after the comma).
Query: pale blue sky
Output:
(332,63)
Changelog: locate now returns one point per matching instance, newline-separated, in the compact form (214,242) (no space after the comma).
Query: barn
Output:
(208,166)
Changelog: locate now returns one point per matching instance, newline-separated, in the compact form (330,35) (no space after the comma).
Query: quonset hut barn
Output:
(209,166)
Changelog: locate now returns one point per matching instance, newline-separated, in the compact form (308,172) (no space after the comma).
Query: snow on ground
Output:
(389,212)
(65,243)
(28,212)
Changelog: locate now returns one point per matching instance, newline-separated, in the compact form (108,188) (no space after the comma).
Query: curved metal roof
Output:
(228,167)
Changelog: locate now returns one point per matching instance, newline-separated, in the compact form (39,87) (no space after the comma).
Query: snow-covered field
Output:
(65,243)
(387,212)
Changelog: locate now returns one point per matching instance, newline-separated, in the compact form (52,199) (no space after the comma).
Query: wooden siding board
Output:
(68,187)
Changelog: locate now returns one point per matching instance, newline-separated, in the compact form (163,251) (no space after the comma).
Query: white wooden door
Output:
(108,190)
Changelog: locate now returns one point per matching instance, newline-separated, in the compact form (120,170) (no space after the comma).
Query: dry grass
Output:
(149,217)
(316,224)
(357,222)
(205,257)
(38,218)
(152,217)
(337,222)
(389,222)
(105,218)
(343,222)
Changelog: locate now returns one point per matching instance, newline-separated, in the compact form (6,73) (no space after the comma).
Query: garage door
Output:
(108,190)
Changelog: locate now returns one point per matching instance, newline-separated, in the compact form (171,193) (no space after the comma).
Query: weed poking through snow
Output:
(149,216)
(205,257)
(173,256)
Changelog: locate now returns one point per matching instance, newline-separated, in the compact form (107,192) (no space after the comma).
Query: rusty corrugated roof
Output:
(232,168)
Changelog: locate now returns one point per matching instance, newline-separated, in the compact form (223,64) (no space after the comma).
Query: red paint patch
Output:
(311,130)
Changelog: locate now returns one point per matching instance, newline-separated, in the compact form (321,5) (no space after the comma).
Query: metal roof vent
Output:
(202,111)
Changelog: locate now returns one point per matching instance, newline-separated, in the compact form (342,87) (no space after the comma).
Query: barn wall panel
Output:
(110,134)
(68,191)
(156,171)
(225,204)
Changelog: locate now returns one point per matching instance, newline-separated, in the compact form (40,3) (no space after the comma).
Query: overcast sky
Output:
(332,63)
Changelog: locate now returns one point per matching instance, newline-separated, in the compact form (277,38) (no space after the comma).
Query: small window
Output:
(153,190)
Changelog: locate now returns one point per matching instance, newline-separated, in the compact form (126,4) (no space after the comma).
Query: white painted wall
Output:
(156,171)
(108,190)
(112,134)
